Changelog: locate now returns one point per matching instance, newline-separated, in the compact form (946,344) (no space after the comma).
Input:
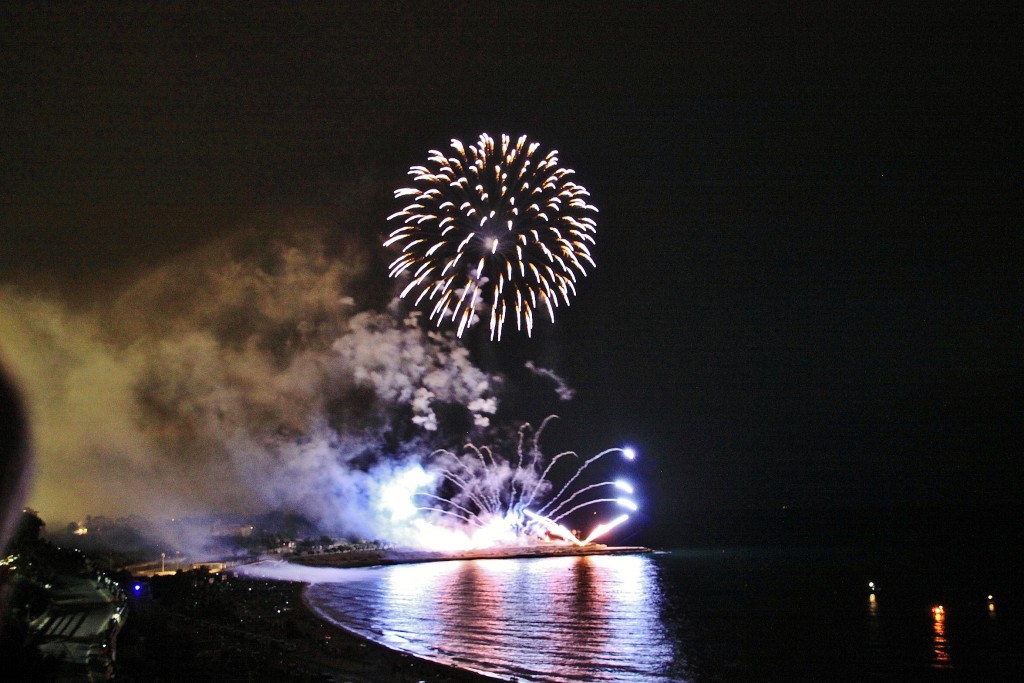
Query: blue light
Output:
(629,453)
(138,588)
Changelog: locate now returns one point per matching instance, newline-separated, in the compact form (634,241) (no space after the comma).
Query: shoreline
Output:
(447,671)
(196,626)
(374,558)
(421,668)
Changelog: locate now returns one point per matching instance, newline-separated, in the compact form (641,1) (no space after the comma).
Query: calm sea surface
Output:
(696,615)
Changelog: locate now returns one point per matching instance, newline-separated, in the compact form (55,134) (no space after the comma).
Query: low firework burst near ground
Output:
(476,498)
(496,226)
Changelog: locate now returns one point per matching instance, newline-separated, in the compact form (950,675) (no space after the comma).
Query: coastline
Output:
(386,661)
(373,558)
(430,667)
(194,626)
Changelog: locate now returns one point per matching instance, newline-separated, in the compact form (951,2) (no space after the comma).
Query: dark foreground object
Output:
(199,627)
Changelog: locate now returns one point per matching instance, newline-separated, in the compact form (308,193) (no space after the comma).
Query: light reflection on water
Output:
(874,637)
(741,614)
(940,646)
(594,618)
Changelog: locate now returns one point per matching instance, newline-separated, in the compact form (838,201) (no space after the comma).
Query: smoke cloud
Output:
(563,390)
(287,571)
(242,377)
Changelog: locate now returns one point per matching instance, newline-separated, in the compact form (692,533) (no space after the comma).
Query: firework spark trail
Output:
(547,470)
(478,452)
(579,472)
(588,504)
(519,444)
(470,520)
(488,452)
(488,492)
(498,224)
(495,494)
(424,494)
(477,484)
(576,495)
(601,529)
(535,456)
(465,489)
(554,527)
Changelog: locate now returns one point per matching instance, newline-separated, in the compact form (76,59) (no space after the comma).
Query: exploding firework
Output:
(496,226)
(477,498)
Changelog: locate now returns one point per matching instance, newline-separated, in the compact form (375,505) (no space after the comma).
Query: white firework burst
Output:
(492,226)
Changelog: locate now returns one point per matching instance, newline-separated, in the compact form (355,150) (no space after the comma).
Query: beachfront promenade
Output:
(80,627)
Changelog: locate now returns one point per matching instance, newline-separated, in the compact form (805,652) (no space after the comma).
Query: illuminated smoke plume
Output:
(245,377)
(497,227)
(564,391)
(239,378)
(404,366)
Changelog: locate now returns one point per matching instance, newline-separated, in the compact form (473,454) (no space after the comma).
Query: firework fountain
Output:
(478,498)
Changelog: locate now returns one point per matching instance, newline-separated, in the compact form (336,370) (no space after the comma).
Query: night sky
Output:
(808,289)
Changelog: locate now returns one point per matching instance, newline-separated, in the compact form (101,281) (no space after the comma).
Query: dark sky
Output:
(809,247)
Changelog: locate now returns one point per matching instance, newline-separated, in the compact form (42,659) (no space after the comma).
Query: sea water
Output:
(700,615)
